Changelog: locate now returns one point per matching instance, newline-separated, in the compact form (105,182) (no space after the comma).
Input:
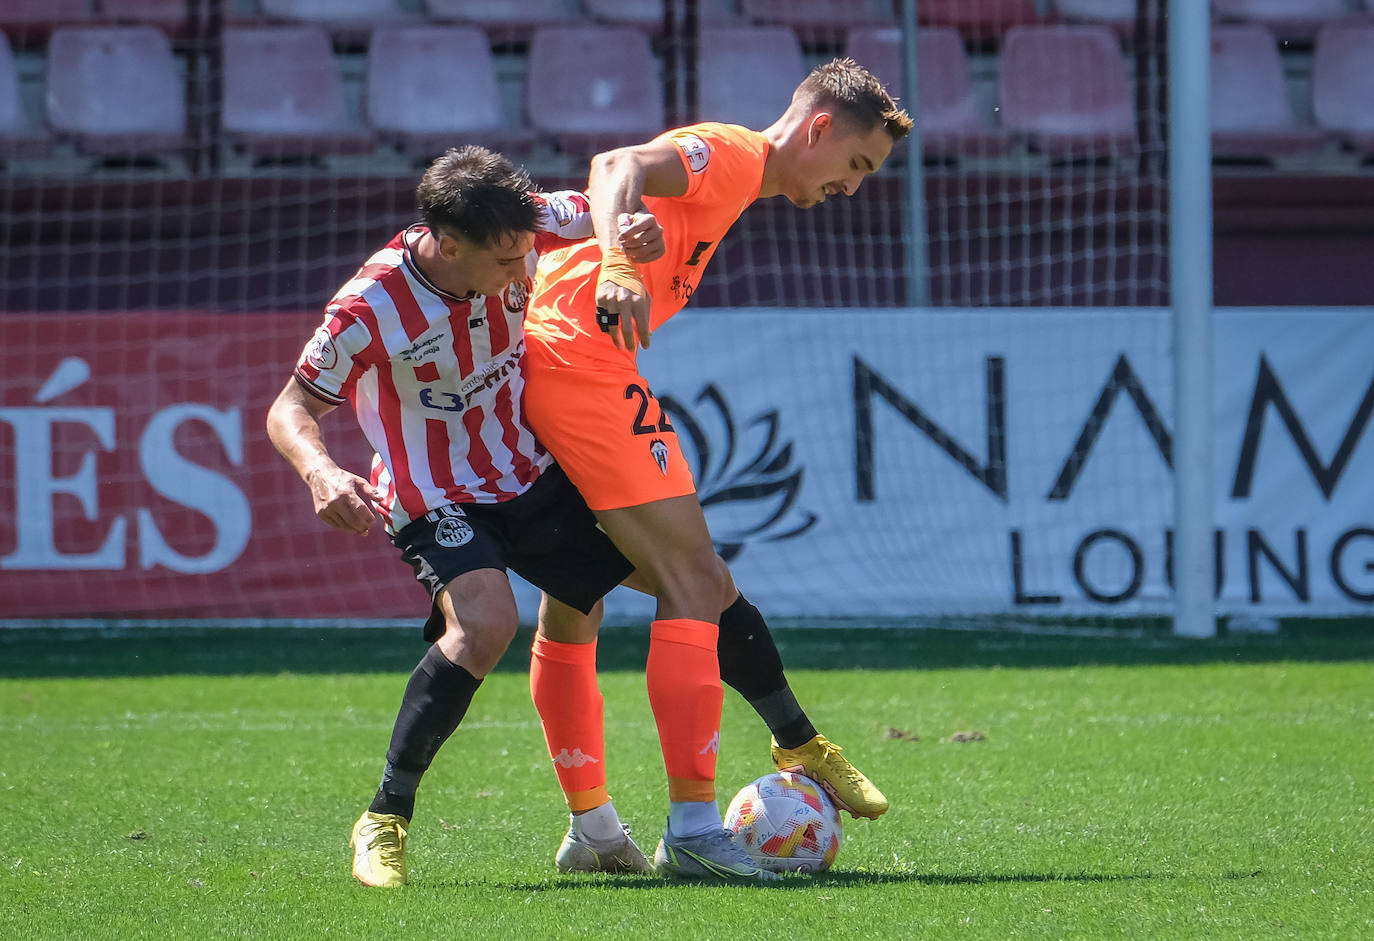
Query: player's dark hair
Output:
(477,194)
(857,93)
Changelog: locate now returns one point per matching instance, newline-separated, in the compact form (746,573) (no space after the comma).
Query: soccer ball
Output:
(786,823)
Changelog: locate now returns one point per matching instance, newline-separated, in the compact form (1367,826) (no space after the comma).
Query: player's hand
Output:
(641,237)
(629,312)
(343,500)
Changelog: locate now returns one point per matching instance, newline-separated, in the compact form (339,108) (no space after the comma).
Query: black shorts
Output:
(546,535)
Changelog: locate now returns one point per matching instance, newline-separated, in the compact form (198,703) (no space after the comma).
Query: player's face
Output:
(835,161)
(488,269)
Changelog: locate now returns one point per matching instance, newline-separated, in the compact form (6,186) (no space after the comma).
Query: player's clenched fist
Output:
(344,500)
(641,237)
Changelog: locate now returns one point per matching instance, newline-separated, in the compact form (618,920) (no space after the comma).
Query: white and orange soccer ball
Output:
(786,823)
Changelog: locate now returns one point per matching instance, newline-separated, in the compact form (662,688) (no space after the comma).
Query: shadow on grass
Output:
(835,879)
(53,652)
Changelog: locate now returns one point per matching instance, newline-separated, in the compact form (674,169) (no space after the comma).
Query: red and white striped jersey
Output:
(437,381)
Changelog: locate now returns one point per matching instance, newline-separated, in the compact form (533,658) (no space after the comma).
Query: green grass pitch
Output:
(202,784)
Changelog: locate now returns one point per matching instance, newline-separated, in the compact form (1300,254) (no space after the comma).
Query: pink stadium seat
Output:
(116,89)
(1251,114)
(405,104)
(819,18)
(746,74)
(507,19)
(29,22)
(588,109)
(169,15)
(334,12)
(283,96)
(1065,88)
(17,137)
(978,19)
(646,14)
(1289,19)
(1120,15)
(948,114)
(1343,84)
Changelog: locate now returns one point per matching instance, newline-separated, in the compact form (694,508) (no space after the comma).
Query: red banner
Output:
(137,480)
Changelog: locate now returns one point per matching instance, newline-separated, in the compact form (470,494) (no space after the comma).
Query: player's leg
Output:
(564,688)
(751,665)
(472,620)
(559,549)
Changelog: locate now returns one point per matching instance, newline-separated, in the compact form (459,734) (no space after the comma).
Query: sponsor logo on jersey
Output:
(321,351)
(422,348)
(452,533)
(561,210)
(696,150)
(577,759)
(660,452)
(517,296)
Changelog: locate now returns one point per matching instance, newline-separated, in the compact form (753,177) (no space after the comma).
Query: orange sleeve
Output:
(723,162)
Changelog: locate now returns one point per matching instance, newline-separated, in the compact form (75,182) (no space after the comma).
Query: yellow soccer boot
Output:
(821,761)
(379,849)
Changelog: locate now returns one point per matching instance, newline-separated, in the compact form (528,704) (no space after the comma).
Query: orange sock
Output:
(563,687)
(683,676)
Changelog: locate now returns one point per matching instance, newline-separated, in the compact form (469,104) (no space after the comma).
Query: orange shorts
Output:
(607,431)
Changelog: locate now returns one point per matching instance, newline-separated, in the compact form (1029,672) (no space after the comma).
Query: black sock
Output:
(435,701)
(750,665)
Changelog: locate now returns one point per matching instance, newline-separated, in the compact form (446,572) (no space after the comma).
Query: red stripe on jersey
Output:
(440,467)
(407,307)
(479,458)
(389,410)
(458,314)
(510,436)
(427,372)
(498,330)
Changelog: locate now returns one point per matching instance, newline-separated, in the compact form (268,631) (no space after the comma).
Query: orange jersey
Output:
(724,173)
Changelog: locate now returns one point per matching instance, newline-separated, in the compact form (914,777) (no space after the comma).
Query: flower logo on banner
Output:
(746,479)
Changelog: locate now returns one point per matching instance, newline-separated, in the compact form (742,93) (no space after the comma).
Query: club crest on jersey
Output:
(517,296)
(452,533)
(321,352)
(660,452)
(696,150)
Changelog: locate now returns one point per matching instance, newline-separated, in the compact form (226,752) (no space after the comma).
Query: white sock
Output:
(693,818)
(599,826)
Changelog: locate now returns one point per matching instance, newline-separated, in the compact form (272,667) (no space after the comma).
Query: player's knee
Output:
(701,577)
(478,642)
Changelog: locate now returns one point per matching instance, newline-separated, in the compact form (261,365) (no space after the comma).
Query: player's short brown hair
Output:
(855,92)
(477,194)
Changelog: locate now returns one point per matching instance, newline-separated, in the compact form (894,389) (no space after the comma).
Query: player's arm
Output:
(342,500)
(619,181)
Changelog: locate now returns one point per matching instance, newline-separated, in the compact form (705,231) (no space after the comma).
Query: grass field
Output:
(202,784)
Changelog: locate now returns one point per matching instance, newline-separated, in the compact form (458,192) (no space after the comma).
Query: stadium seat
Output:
(116,90)
(169,15)
(746,74)
(507,19)
(1120,15)
(433,87)
(29,22)
(1343,85)
(950,120)
(283,96)
(645,14)
(18,138)
(819,19)
(978,19)
(1065,89)
(1251,114)
(1288,19)
(589,109)
(333,12)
